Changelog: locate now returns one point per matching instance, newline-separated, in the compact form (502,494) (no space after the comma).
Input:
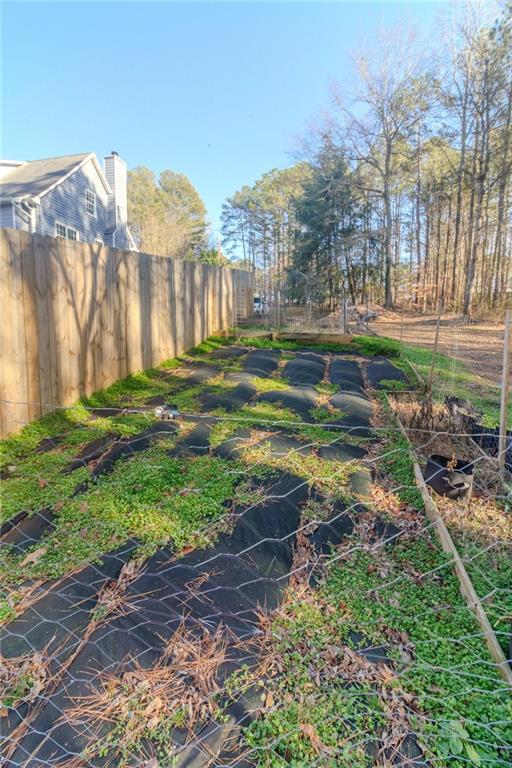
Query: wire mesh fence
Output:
(226,562)
(297,302)
(464,364)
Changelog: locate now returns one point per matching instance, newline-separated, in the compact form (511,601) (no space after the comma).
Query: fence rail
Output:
(77,317)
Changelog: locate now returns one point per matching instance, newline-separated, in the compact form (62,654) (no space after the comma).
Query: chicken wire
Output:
(184,656)
(298,302)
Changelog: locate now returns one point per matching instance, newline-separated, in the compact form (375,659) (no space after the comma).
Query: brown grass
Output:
(478,345)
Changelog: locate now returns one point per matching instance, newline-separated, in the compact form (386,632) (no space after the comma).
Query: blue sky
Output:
(218,91)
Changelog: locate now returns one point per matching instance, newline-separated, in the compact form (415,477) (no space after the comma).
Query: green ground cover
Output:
(150,496)
(365,345)
(331,709)
(324,705)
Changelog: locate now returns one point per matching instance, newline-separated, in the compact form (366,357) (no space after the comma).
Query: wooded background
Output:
(403,189)
(77,317)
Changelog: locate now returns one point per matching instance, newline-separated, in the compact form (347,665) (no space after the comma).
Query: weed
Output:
(327,389)
(452,377)
(269,385)
(326,413)
(207,346)
(331,478)
(144,706)
(345,701)
(394,385)
(376,345)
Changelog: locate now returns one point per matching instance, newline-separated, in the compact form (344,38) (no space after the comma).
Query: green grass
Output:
(133,390)
(462,714)
(39,483)
(396,462)
(208,345)
(332,479)
(19,690)
(460,711)
(394,385)
(490,570)
(36,479)
(449,653)
(377,345)
(366,345)
(61,422)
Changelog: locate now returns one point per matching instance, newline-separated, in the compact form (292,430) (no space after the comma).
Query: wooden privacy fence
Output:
(76,317)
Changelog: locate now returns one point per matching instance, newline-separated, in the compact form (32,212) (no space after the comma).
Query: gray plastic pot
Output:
(455,482)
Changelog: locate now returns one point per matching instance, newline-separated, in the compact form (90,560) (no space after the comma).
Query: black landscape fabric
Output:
(380,370)
(224,585)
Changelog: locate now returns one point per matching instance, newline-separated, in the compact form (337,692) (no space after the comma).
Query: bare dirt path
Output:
(478,345)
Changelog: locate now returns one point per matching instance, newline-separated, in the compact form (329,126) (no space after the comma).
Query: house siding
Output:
(6,219)
(21,220)
(121,238)
(66,204)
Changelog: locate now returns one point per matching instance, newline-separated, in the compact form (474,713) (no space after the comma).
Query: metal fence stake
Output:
(434,350)
(502,448)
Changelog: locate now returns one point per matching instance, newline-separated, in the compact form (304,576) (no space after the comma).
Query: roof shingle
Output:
(33,178)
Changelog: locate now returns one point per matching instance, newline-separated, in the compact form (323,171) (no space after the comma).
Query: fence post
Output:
(502,448)
(344,315)
(402,327)
(434,350)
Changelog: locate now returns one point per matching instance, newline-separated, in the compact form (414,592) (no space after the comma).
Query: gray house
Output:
(70,196)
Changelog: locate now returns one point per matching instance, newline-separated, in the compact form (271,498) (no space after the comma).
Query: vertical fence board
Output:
(134,337)
(28,286)
(41,255)
(16,358)
(73,257)
(80,316)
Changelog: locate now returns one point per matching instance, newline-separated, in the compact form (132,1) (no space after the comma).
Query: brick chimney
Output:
(117,176)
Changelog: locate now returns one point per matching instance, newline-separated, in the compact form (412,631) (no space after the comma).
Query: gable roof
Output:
(37,177)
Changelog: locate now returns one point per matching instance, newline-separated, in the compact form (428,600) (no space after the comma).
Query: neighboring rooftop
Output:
(36,176)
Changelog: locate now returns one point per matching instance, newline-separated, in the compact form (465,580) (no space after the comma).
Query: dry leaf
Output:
(33,557)
(154,706)
(269,699)
(309,731)
(153,722)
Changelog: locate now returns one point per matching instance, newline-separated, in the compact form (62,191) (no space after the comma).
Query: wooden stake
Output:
(466,587)
(502,448)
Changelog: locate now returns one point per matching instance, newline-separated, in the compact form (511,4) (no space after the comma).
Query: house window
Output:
(90,203)
(67,232)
